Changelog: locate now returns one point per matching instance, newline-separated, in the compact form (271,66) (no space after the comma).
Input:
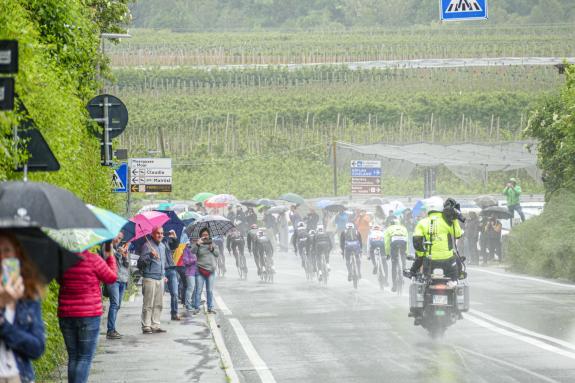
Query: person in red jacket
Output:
(80,309)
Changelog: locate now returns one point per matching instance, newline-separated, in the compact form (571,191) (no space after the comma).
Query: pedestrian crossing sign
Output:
(120,178)
(453,10)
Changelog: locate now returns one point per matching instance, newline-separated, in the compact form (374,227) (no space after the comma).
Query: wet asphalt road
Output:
(519,330)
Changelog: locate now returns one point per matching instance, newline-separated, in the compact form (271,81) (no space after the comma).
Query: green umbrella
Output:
(293,198)
(201,197)
(190,215)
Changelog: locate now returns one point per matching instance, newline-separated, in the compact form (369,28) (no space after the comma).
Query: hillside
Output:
(220,15)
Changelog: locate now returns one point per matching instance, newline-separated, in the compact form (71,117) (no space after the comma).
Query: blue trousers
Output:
(116,292)
(81,338)
(172,276)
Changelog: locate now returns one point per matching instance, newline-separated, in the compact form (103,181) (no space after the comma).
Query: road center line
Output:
(534,342)
(259,365)
(522,330)
(532,279)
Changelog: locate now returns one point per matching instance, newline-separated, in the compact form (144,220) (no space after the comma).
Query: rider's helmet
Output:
(320,229)
(434,204)
(254,226)
(349,225)
(301,225)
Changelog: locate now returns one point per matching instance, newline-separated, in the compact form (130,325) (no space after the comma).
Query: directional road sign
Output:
(120,178)
(151,175)
(454,10)
(6,93)
(366,177)
(8,56)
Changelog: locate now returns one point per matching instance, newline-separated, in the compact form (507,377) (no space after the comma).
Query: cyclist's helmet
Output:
(312,232)
(301,225)
(320,229)
(260,233)
(349,225)
(254,226)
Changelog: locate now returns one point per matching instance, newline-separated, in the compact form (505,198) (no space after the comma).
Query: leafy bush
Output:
(545,245)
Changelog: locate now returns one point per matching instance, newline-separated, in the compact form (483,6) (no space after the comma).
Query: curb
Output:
(225,357)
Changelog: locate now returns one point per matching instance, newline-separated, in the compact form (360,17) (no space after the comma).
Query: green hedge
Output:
(545,245)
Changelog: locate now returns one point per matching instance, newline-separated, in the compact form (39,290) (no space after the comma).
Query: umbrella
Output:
(293,198)
(113,222)
(50,258)
(174,223)
(485,201)
(336,208)
(323,203)
(376,201)
(220,200)
(216,224)
(190,215)
(250,203)
(266,202)
(498,212)
(278,209)
(143,224)
(201,197)
(46,205)
(166,206)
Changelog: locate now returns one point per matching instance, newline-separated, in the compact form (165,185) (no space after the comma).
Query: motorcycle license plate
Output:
(440,299)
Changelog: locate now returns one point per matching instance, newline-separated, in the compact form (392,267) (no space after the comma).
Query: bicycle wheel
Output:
(243,266)
(380,274)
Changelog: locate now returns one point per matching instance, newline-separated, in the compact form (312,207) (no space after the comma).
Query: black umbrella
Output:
(498,212)
(50,258)
(266,202)
(46,205)
(250,203)
(486,201)
(216,224)
(335,208)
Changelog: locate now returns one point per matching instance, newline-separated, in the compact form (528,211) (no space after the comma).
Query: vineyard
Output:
(235,130)
(165,48)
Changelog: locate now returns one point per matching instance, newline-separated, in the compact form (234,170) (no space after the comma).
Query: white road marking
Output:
(532,279)
(523,338)
(222,305)
(227,364)
(522,330)
(507,364)
(259,365)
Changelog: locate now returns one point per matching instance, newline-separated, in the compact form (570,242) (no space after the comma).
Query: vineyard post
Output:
(334,146)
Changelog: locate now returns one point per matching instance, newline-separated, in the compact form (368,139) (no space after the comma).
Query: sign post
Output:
(457,10)
(150,175)
(365,177)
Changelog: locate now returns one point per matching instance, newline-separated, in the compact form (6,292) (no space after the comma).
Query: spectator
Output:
(21,326)
(379,218)
(240,221)
(340,221)
(190,260)
(171,273)
(294,216)
(493,238)
(231,215)
(362,224)
(251,217)
(152,262)
(271,227)
(472,228)
(116,290)
(513,191)
(206,253)
(283,232)
(80,309)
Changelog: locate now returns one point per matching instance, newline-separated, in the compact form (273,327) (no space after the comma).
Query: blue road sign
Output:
(120,179)
(452,10)
(366,172)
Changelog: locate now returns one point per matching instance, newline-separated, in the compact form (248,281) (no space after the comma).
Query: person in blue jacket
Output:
(22,337)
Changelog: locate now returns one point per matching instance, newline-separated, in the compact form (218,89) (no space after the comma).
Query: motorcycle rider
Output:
(376,240)
(322,246)
(396,247)
(435,237)
(235,244)
(263,248)
(251,242)
(350,243)
(301,242)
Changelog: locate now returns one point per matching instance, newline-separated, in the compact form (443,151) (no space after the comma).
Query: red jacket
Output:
(80,294)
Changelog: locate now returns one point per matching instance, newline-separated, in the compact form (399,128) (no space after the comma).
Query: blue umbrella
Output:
(418,208)
(175,223)
(322,204)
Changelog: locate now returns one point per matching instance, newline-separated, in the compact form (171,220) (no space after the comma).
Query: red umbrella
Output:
(143,224)
(220,200)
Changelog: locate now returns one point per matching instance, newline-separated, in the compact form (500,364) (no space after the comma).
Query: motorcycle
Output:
(436,301)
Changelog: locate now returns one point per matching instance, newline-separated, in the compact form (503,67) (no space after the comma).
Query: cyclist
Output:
(396,246)
(264,248)
(218,240)
(251,242)
(350,243)
(322,245)
(301,242)
(376,241)
(235,244)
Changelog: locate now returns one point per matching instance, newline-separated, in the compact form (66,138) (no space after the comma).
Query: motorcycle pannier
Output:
(462,296)
(416,294)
